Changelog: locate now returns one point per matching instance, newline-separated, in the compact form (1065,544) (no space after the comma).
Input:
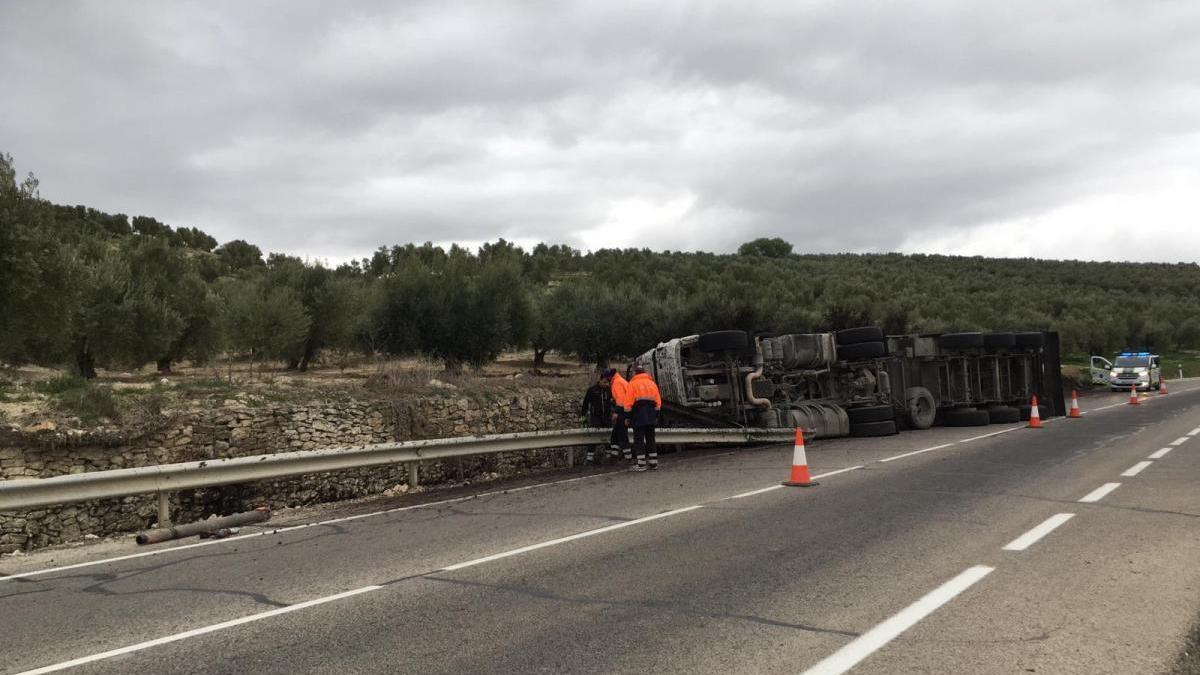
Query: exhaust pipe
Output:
(751,377)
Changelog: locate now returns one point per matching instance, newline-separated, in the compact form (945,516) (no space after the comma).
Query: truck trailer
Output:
(856,382)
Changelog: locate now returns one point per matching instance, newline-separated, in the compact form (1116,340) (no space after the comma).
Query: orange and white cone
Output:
(1133,397)
(1074,404)
(800,477)
(1162,387)
(1035,417)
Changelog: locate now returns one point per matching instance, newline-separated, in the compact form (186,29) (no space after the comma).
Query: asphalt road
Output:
(936,551)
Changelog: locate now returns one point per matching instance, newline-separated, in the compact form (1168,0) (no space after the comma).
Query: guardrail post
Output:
(164,509)
(414,475)
(570,457)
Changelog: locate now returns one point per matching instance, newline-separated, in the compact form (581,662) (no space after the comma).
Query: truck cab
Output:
(1135,369)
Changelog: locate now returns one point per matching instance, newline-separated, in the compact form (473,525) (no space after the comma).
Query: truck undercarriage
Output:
(856,381)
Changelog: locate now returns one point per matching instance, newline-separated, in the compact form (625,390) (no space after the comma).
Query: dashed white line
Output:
(1180,441)
(1160,453)
(866,644)
(196,631)
(1135,469)
(1193,432)
(994,433)
(1099,493)
(1031,537)
(834,473)
(916,452)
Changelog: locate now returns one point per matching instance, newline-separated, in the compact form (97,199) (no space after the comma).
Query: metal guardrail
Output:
(166,478)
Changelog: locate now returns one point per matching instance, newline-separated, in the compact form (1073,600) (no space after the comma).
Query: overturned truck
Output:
(858,381)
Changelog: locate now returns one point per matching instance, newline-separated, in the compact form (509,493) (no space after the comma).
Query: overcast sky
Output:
(1044,128)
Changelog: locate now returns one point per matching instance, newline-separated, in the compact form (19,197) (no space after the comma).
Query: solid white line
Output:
(196,631)
(1136,469)
(994,433)
(563,540)
(1099,493)
(1180,441)
(291,528)
(1160,453)
(834,473)
(866,644)
(755,492)
(1031,537)
(916,452)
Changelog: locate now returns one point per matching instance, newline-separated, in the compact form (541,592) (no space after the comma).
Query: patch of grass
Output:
(90,403)
(213,386)
(61,385)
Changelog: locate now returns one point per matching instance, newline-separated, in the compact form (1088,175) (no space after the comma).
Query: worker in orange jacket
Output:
(618,389)
(642,404)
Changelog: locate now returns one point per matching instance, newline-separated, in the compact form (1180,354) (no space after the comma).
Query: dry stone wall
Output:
(236,431)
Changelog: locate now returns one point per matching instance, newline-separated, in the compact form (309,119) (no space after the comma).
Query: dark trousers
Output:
(643,444)
(620,435)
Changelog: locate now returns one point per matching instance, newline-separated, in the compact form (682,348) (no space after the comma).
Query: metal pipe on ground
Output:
(162,534)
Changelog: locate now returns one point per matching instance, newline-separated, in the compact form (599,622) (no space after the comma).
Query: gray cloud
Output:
(1058,129)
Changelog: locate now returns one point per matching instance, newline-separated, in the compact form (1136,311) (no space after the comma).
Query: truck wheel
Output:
(862,351)
(871,413)
(1003,414)
(1030,340)
(869,429)
(966,417)
(921,408)
(961,341)
(994,341)
(723,340)
(853,336)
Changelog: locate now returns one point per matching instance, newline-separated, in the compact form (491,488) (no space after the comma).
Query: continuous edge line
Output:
(196,632)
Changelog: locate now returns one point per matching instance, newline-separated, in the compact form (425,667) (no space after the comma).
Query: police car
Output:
(1135,369)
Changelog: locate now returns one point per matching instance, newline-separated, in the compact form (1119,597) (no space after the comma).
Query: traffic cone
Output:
(800,476)
(1133,397)
(1162,387)
(1074,404)
(1035,417)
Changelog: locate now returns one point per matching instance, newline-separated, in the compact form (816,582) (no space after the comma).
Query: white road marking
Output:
(994,433)
(755,492)
(563,540)
(1135,469)
(1099,493)
(1180,441)
(1193,432)
(834,473)
(1031,537)
(866,644)
(197,631)
(292,528)
(1160,453)
(916,452)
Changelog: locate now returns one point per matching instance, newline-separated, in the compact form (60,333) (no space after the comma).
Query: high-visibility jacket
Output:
(643,388)
(620,392)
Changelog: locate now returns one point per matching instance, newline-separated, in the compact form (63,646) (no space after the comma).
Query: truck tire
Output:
(1043,411)
(966,417)
(853,336)
(871,413)
(1003,414)
(862,351)
(1030,340)
(871,429)
(994,341)
(961,341)
(920,407)
(723,340)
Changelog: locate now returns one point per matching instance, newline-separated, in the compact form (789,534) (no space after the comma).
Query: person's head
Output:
(638,370)
(606,376)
